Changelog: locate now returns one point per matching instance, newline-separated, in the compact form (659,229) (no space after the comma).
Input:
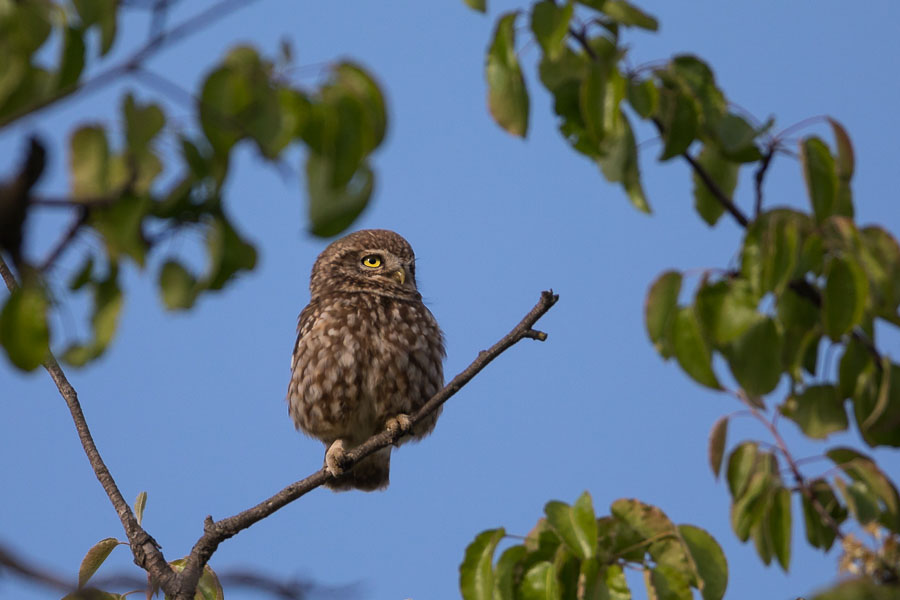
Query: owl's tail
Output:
(371,473)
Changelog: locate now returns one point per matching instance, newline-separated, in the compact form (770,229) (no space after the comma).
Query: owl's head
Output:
(372,260)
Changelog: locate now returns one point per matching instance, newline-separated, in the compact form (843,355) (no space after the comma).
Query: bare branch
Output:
(64,241)
(215,532)
(761,174)
(30,571)
(145,549)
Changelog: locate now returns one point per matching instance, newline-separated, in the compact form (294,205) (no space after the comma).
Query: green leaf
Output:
(818,411)
(659,308)
(665,545)
(690,349)
(331,210)
(576,525)
(177,286)
(107,307)
(735,136)
(83,275)
(724,173)
(799,320)
(694,78)
(717,444)
(121,225)
(476,574)
(89,162)
(726,310)
(707,555)
(820,533)
(94,558)
(880,259)
(845,296)
(821,177)
(23,328)
(616,584)
(550,24)
(844,168)
(479,5)
(643,97)
(71,60)
(741,464)
(748,509)
(506,571)
(860,500)
(679,120)
(208,588)
(860,468)
(755,358)
(228,254)
(620,163)
(860,588)
(143,122)
(626,14)
(666,583)
(779,526)
(591,100)
(876,403)
(854,361)
(540,583)
(507,96)
(139,504)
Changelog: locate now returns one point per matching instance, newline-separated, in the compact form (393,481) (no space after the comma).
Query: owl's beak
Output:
(399,275)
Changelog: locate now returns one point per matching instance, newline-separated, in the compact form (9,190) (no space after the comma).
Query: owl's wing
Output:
(305,322)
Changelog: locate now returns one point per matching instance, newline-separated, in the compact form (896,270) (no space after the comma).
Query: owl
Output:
(368,354)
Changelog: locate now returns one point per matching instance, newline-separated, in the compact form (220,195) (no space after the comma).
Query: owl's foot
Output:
(399,426)
(335,458)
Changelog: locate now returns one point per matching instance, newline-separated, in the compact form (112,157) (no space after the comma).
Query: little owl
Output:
(368,354)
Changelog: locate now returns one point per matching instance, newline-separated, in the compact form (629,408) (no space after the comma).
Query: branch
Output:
(145,549)
(215,532)
(151,47)
(760,175)
(63,243)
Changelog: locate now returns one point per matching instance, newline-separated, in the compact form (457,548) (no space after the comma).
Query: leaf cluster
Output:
(571,553)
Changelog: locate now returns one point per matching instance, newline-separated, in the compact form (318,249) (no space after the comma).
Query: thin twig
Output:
(30,571)
(760,176)
(215,532)
(64,241)
(144,548)
(152,46)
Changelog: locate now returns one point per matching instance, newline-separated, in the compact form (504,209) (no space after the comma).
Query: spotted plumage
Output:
(368,353)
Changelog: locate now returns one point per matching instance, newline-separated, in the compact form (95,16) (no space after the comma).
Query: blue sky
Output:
(190,406)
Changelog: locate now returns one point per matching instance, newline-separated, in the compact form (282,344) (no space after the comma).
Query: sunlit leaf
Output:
(550,24)
(629,15)
(725,175)
(143,122)
(755,358)
(507,96)
(660,306)
(540,583)
(726,309)
(89,162)
(690,349)
(177,286)
(818,411)
(23,327)
(479,5)
(666,583)
(821,177)
(95,558)
(476,573)
(707,555)
(139,504)
(576,525)
(747,510)
(505,573)
(741,463)
(845,296)
(860,468)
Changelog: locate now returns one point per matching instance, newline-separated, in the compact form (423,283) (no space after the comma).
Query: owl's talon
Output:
(399,426)
(335,458)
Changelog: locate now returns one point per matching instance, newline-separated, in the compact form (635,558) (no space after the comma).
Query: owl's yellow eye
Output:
(373,261)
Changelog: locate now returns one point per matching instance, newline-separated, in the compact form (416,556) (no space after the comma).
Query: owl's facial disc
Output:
(388,267)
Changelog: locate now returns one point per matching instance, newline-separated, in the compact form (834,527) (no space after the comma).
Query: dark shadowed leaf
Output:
(717,438)
(735,136)
(845,297)
(94,558)
(507,96)
(724,173)
(690,349)
(679,119)
(71,61)
(755,358)
(121,225)
(707,556)
(880,259)
(23,328)
(844,168)
(143,122)
(660,306)
(818,411)
(576,525)
(821,177)
(620,163)
(228,254)
(476,573)
(643,97)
